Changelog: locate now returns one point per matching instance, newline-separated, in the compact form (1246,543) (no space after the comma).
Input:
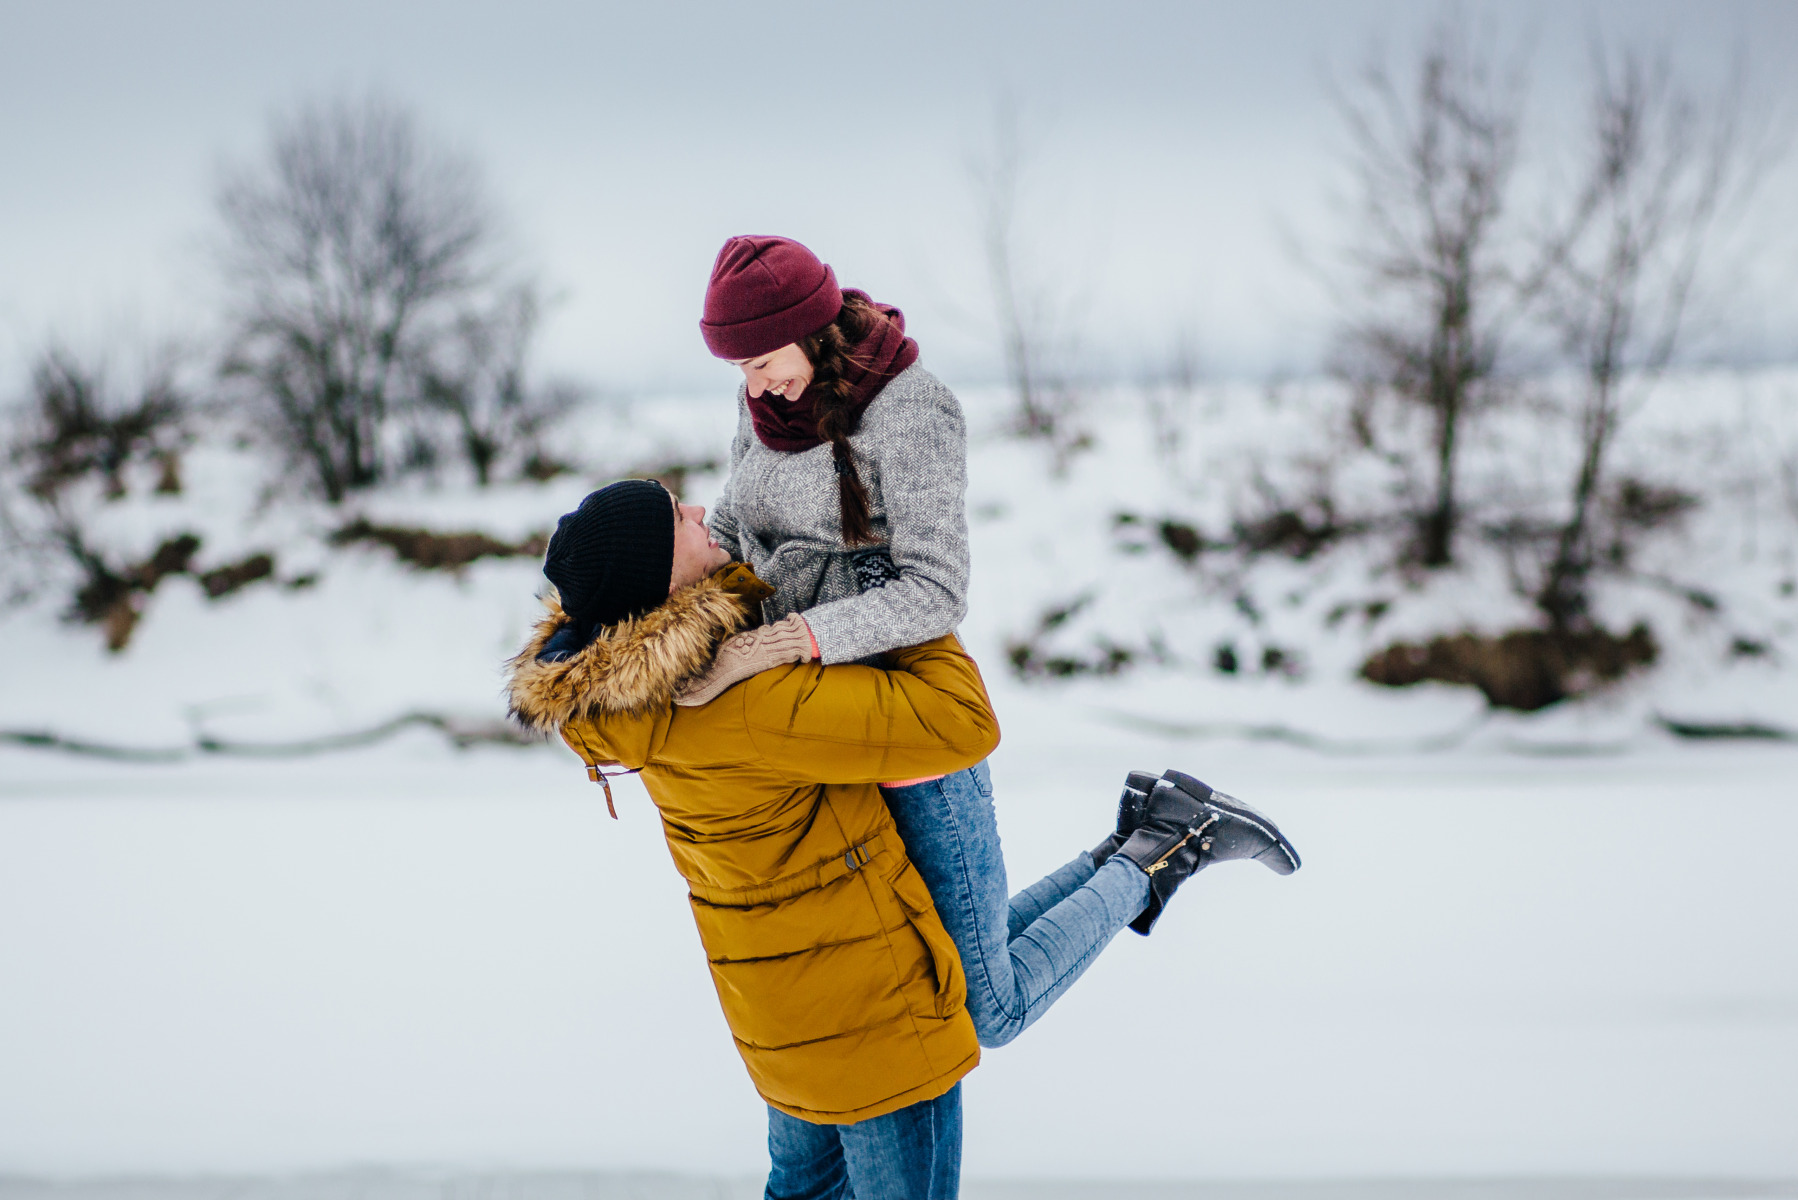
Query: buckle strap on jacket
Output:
(598,774)
(798,883)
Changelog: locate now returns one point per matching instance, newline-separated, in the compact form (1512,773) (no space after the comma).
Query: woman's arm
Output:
(921,453)
(722,520)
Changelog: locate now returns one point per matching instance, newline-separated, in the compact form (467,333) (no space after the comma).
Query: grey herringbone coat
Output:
(780,514)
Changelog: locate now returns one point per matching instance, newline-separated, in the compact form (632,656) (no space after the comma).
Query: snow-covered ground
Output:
(1488,965)
(1563,945)
(380,1184)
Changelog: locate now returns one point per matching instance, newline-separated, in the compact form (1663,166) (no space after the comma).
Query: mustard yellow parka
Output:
(843,991)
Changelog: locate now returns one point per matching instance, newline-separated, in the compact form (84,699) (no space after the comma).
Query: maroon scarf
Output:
(791,426)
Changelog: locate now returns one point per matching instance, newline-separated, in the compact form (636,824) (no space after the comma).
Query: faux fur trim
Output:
(629,667)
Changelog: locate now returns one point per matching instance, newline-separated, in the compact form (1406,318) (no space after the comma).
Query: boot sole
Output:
(1285,863)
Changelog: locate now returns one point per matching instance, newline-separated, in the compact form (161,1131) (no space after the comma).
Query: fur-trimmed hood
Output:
(632,666)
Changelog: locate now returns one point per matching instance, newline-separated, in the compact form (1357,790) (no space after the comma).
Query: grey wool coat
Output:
(779,513)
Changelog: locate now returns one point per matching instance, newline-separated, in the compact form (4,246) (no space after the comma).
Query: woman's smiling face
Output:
(783,373)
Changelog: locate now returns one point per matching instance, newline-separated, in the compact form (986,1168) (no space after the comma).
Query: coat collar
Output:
(635,665)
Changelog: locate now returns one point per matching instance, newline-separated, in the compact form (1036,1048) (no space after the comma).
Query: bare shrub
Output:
(74,427)
(1031,659)
(1269,522)
(476,376)
(78,444)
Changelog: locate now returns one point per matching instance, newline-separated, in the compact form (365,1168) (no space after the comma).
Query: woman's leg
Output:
(806,1160)
(912,1154)
(1014,974)
(1047,892)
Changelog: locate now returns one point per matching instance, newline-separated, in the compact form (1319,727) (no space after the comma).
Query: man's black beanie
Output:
(611,557)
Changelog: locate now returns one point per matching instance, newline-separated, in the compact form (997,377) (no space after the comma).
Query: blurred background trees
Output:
(1510,291)
(371,298)
(376,324)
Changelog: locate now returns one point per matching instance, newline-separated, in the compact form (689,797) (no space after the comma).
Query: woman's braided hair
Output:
(832,352)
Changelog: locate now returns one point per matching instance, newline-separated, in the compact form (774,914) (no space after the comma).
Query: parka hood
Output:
(632,666)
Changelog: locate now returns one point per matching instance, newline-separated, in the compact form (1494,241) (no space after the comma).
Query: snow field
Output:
(401,956)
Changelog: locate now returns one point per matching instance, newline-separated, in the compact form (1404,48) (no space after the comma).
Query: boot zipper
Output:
(1190,834)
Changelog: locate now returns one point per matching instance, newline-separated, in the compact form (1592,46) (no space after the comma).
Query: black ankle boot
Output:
(1185,827)
(1137,786)
(1167,845)
(1241,832)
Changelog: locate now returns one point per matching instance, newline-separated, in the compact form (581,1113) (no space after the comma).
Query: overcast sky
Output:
(1171,145)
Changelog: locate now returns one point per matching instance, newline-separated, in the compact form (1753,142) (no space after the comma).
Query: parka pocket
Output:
(945,959)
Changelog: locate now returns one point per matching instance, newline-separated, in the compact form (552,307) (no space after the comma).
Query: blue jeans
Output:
(912,1154)
(1022,952)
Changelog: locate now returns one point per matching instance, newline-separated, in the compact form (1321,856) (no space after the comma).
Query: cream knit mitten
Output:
(788,640)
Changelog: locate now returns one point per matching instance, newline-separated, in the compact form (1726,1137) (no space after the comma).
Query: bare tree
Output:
(476,377)
(1433,166)
(350,249)
(1619,268)
(1025,310)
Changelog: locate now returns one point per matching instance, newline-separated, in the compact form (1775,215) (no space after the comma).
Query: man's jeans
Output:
(912,1154)
(1021,953)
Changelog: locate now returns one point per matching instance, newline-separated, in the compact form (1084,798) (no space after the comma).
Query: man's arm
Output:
(855,724)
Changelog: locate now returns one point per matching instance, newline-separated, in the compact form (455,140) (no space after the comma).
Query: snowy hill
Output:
(344,637)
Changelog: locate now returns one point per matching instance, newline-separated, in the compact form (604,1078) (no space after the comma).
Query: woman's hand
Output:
(788,640)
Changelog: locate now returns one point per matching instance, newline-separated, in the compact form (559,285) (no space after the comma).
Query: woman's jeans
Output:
(912,1154)
(1020,953)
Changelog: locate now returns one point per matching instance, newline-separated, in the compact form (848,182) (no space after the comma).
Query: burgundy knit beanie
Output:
(765,293)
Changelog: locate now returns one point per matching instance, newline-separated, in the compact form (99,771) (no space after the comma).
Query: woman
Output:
(847,495)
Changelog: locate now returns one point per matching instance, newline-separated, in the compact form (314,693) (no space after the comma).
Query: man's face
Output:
(696,555)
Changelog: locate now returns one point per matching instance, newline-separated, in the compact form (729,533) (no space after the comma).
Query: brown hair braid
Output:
(832,351)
